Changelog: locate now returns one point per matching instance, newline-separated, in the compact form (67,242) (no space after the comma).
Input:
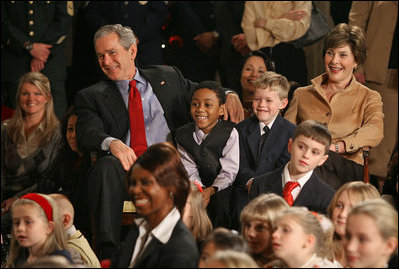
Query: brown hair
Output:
(346,34)
(314,130)
(164,162)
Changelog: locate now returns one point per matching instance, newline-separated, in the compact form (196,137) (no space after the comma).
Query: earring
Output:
(171,195)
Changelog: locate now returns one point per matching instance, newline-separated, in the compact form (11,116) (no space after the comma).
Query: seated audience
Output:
(37,230)
(299,240)
(257,221)
(371,236)
(221,239)
(31,141)
(263,138)
(195,216)
(230,259)
(347,196)
(351,111)
(297,181)
(158,96)
(209,148)
(75,239)
(158,186)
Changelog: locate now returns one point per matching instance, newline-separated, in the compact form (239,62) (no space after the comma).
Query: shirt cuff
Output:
(107,141)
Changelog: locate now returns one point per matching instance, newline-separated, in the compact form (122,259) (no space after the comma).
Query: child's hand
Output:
(206,195)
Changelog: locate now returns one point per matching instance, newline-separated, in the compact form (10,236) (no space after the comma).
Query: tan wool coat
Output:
(354,115)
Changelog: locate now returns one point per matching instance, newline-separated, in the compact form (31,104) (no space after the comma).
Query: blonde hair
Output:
(357,191)
(275,82)
(201,224)
(64,205)
(265,207)
(383,214)
(233,259)
(310,225)
(56,240)
(50,122)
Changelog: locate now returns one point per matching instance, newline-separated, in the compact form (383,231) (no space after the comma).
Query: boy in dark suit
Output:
(296,181)
(262,151)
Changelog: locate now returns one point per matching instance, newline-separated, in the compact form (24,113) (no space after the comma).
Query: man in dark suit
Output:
(104,123)
(33,37)
(309,149)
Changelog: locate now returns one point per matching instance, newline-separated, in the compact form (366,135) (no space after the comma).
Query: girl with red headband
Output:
(36,230)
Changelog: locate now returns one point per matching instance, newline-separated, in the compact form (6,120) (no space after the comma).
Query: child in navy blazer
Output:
(260,155)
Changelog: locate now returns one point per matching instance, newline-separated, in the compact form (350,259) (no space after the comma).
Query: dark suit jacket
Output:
(274,153)
(102,112)
(179,251)
(315,195)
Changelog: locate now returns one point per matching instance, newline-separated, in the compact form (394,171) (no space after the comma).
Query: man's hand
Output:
(205,41)
(36,65)
(240,44)
(124,153)
(249,185)
(41,51)
(5,206)
(233,108)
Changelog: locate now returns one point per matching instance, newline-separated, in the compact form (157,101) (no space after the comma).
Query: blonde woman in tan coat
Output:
(351,111)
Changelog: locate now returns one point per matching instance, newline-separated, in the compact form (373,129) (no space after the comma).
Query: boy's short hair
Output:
(275,82)
(314,130)
(213,86)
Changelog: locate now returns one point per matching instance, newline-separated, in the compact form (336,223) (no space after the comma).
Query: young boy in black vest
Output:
(209,149)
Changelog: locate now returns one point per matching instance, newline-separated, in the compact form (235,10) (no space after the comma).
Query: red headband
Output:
(44,204)
(198,186)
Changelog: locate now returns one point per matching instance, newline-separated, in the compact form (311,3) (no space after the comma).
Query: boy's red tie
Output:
(289,186)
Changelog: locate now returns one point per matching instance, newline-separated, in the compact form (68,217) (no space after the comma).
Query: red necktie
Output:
(289,186)
(138,141)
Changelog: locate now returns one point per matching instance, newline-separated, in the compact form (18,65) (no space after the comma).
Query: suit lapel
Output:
(253,137)
(150,252)
(113,99)
(306,196)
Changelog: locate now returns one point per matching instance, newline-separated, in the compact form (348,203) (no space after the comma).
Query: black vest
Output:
(206,155)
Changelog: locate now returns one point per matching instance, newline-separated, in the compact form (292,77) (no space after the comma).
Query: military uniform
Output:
(35,22)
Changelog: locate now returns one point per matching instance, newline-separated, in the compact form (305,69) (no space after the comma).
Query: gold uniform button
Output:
(31,33)
(30,12)
(31,2)
(31,22)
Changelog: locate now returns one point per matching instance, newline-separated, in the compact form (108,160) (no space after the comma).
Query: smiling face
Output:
(339,64)
(340,212)
(30,228)
(151,200)
(205,109)
(364,246)
(252,69)
(33,101)
(258,236)
(116,62)
(267,104)
(306,155)
(289,241)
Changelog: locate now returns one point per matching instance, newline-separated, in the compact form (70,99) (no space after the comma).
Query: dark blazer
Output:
(315,195)
(102,112)
(274,153)
(180,251)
